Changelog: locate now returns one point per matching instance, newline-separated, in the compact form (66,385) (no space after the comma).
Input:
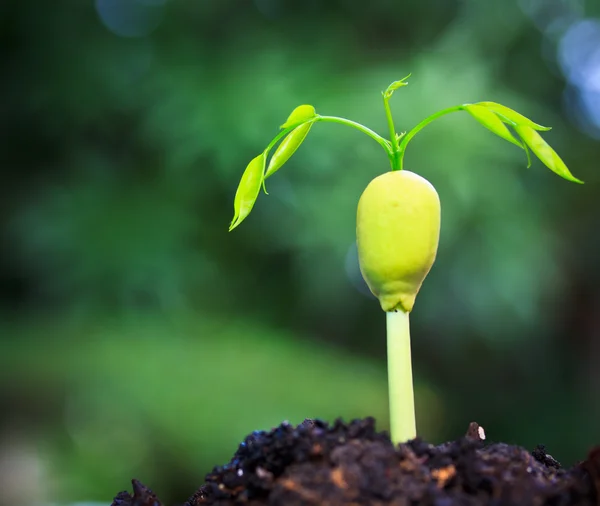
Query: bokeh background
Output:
(138,338)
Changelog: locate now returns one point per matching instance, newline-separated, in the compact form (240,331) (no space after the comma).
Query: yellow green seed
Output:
(397,230)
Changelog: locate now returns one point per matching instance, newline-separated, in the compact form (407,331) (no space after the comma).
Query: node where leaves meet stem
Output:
(400,380)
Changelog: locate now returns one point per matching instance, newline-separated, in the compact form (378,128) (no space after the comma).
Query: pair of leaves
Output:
(299,124)
(495,117)
(301,114)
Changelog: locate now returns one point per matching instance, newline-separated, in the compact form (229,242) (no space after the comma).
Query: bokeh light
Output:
(131,18)
(579,57)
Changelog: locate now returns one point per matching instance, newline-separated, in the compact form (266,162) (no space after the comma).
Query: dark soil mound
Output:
(352,464)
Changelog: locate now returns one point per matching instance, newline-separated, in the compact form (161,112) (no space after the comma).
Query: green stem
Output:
(385,144)
(402,399)
(395,160)
(406,139)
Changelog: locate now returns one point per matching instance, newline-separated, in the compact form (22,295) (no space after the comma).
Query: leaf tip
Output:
(301,113)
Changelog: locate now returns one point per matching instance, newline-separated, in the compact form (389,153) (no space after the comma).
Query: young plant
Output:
(398,221)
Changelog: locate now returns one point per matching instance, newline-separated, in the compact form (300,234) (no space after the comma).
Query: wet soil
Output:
(353,464)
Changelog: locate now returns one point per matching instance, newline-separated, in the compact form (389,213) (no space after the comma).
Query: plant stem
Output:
(395,160)
(419,127)
(385,144)
(402,400)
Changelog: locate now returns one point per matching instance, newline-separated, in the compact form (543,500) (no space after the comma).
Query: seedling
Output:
(398,221)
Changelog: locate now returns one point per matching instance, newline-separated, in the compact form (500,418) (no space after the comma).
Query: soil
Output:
(352,464)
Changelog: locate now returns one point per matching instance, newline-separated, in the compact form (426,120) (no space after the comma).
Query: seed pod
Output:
(397,230)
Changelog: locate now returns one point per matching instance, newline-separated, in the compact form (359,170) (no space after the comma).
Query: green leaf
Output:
(513,117)
(492,122)
(248,190)
(545,153)
(287,148)
(394,86)
(300,114)
(527,153)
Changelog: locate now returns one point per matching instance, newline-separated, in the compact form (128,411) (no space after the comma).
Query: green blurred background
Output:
(138,338)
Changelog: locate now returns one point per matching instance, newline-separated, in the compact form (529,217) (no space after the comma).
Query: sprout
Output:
(398,221)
